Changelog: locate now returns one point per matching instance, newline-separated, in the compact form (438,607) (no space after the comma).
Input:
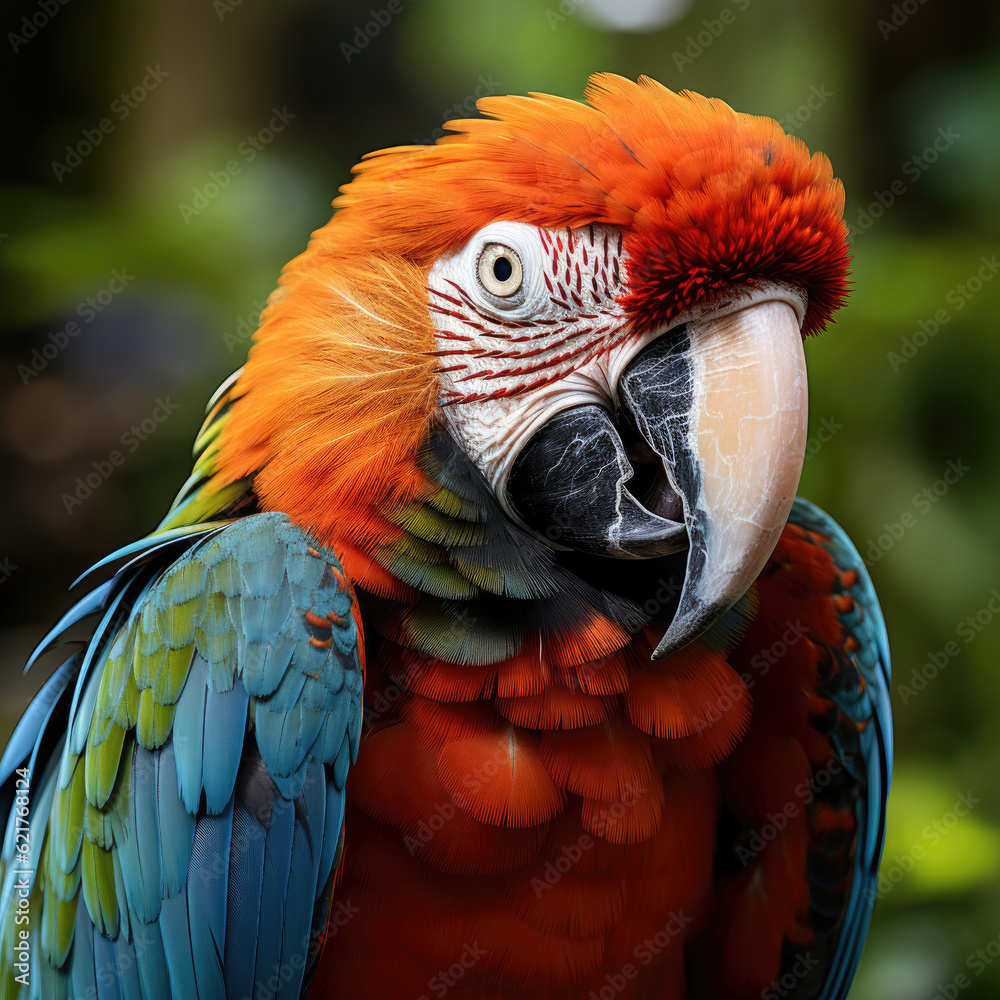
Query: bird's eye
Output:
(500,271)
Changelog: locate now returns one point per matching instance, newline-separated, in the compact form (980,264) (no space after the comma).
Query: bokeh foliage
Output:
(896,409)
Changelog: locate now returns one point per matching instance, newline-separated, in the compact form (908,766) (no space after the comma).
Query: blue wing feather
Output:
(35,719)
(149,546)
(246,876)
(178,946)
(224,713)
(274,886)
(867,704)
(109,981)
(208,885)
(88,605)
(176,827)
(128,967)
(309,822)
(213,895)
(140,853)
(84,973)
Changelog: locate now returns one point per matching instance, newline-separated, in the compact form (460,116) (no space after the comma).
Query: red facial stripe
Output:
(582,320)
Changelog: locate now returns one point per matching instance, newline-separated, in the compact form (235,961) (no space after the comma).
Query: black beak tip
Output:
(692,620)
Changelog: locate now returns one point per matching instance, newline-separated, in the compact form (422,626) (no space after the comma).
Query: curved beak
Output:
(724,403)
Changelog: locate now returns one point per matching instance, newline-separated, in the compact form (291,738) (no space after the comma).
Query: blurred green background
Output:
(121,213)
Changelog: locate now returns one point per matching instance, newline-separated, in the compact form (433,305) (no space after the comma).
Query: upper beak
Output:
(726,407)
(723,402)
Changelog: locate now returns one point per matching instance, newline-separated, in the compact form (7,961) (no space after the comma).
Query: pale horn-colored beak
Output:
(724,402)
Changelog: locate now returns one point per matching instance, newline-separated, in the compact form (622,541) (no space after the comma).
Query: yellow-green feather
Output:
(102,761)
(98,878)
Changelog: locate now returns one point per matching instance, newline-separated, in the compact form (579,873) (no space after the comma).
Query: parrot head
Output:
(599,307)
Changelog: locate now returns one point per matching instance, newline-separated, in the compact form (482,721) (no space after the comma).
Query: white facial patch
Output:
(509,362)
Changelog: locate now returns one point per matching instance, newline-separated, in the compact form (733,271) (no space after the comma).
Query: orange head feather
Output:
(341,384)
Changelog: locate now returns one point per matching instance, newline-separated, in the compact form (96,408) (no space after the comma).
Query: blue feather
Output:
(178,946)
(82,959)
(246,876)
(264,670)
(76,721)
(284,738)
(273,890)
(151,960)
(189,734)
(290,786)
(176,826)
(224,713)
(35,719)
(208,882)
(222,902)
(39,803)
(90,604)
(336,804)
(128,967)
(151,544)
(301,891)
(109,980)
(142,872)
(47,983)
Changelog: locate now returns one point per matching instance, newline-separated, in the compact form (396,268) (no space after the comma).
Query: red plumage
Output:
(587,836)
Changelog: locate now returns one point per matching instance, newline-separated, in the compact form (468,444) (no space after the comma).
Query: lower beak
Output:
(725,405)
(721,407)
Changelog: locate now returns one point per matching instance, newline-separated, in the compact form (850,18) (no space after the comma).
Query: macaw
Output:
(487,650)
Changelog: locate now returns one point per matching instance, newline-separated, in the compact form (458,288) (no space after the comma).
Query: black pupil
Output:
(502,268)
